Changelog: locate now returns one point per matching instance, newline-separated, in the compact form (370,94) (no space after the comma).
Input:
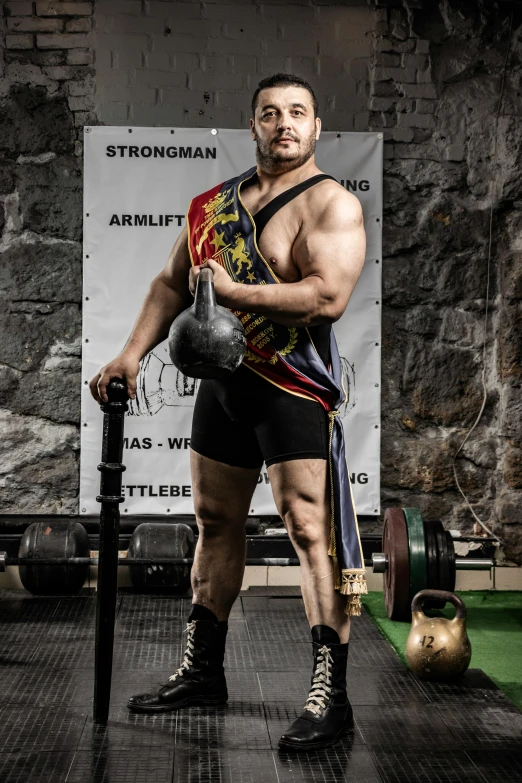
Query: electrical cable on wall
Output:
(484,364)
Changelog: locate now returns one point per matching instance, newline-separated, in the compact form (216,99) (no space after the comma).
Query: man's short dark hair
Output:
(284,80)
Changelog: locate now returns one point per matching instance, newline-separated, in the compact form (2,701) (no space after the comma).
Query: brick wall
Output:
(197,64)
(50,44)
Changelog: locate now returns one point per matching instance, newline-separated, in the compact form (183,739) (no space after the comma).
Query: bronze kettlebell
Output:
(437,648)
(206,340)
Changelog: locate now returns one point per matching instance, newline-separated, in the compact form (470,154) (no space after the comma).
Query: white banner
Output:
(138,184)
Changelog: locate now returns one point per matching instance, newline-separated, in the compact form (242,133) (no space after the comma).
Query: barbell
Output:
(417,555)
(54,558)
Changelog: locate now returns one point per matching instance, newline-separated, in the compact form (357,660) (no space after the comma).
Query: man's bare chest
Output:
(277,239)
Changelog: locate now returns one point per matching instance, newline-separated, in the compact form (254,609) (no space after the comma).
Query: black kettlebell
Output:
(206,340)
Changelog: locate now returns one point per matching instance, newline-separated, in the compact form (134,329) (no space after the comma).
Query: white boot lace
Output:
(187,660)
(321,683)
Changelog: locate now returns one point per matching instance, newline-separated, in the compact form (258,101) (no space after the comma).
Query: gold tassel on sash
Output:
(352,582)
(354,585)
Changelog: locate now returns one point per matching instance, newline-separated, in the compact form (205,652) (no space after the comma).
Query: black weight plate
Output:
(432,558)
(451,562)
(157,540)
(444,566)
(417,545)
(396,578)
(42,540)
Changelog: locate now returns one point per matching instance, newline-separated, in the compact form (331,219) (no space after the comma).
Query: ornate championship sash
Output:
(221,228)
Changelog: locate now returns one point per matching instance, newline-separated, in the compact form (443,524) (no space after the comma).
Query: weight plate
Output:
(444,566)
(432,559)
(417,546)
(42,540)
(157,540)
(451,562)
(396,576)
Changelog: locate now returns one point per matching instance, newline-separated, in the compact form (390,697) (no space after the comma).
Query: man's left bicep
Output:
(335,256)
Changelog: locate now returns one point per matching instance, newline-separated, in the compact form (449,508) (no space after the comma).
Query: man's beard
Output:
(271,159)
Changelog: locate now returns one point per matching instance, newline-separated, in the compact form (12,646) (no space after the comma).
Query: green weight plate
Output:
(451,562)
(396,576)
(417,547)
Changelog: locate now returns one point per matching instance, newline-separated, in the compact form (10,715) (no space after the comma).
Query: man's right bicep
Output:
(176,271)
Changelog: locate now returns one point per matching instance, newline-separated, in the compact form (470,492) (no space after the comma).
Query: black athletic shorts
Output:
(245,420)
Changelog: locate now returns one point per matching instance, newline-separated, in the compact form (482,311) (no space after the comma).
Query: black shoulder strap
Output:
(262,217)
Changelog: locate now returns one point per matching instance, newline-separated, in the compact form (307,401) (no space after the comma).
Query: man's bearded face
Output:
(285,128)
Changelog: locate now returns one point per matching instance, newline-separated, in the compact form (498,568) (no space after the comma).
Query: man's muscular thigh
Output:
(302,497)
(222,493)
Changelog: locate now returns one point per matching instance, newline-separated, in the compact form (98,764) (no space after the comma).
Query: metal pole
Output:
(379,562)
(110,497)
(461,564)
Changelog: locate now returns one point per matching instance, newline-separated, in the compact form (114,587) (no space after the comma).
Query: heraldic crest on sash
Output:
(218,235)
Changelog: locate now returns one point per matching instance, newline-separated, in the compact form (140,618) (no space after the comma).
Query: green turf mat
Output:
(494,625)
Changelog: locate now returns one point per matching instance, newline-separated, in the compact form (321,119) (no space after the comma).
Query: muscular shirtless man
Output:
(301,229)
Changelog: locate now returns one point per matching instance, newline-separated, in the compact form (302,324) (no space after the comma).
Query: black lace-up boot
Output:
(327,714)
(200,680)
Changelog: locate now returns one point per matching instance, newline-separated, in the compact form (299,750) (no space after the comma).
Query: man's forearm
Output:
(290,304)
(161,305)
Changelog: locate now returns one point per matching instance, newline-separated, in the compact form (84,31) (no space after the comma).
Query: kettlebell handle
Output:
(205,297)
(440,595)
(206,275)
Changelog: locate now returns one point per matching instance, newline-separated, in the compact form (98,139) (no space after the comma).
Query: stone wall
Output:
(46,88)
(435,93)
(427,74)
